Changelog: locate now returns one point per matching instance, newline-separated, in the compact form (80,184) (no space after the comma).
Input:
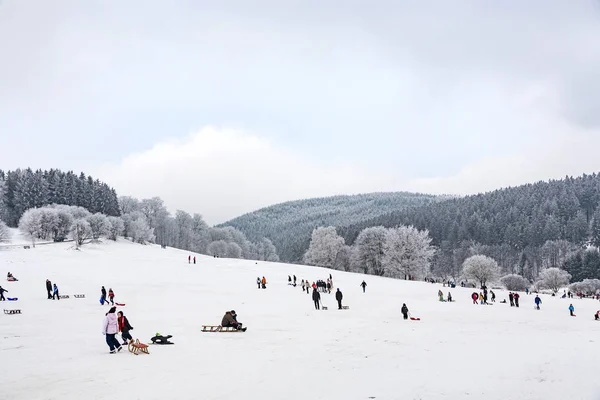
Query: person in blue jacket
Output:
(55,294)
(538,301)
(572,310)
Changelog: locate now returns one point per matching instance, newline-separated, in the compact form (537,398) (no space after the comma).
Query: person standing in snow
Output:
(194,259)
(449,297)
(302,284)
(110,329)
(316,296)
(264,282)
(55,294)
(526,290)
(258,281)
(49,288)
(364,285)
(189,259)
(516,299)
(475,296)
(493,296)
(597,315)
(572,310)
(440,295)
(2,290)
(404,310)
(294,280)
(289,279)
(538,301)
(124,328)
(511,297)
(111,296)
(339,296)
(307,286)
(103,297)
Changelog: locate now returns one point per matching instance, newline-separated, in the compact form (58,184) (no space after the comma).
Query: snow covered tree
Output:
(408,252)
(4,233)
(30,224)
(99,225)
(63,225)
(553,278)
(218,248)
(325,244)
(370,250)
(116,227)
(128,204)
(587,286)
(481,268)
(266,250)
(514,282)
(140,231)
(80,231)
(343,259)
(49,222)
(233,250)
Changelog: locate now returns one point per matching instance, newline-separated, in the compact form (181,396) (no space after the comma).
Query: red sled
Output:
(415,319)
(120,304)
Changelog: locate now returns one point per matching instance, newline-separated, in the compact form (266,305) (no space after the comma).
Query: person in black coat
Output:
(339,296)
(404,311)
(316,296)
(124,327)
(104,296)
(49,288)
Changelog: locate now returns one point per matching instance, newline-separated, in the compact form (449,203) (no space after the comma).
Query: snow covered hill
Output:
(55,349)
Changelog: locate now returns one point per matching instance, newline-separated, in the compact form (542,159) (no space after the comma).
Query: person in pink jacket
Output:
(110,328)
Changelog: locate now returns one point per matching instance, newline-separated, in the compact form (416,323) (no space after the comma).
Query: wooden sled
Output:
(63,296)
(12,311)
(79,296)
(219,328)
(137,347)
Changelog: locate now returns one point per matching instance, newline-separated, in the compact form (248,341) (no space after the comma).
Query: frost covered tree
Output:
(218,248)
(481,268)
(233,250)
(408,252)
(587,286)
(140,232)
(514,282)
(266,251)
(116,227)
(30,224)
(325,244)
(343,259)
(370,250)
(4,233)
(80,231)
(99,225)
(553,279)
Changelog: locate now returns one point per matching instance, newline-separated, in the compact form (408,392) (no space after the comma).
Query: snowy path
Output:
(55,349)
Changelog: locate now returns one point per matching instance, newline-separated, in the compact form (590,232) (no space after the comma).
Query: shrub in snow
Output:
(514,282)
(4,233)
(481,268)
(587,286)
(325,244)
(116,227)
(81,231)
(408,252)
(553,279)
(99,225)
(30,224)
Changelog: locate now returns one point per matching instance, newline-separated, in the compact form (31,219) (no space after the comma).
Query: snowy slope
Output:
(55,349)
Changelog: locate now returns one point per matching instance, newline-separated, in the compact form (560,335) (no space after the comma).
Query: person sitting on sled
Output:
(10,277)
(230,321)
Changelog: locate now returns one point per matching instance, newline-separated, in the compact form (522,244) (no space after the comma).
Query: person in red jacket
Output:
(111,296)
(475,297)
(124,327)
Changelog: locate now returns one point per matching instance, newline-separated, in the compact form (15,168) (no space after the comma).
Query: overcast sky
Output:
(223,107)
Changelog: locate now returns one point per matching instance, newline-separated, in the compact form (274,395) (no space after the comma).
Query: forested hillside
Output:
(289,225)
(21,190)
(526,228)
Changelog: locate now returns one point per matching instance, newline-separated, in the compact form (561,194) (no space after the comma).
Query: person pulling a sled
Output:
(2,290)
(339,296)
(404,310)
(124,327)
(316,296)
(538,301)
(230,321)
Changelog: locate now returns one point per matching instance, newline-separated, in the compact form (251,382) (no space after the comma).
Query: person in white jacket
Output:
(110,328)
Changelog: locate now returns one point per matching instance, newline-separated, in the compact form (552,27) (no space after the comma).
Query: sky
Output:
(222,108)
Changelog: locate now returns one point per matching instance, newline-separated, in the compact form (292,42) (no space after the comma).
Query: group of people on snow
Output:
(52,290)
(113,324)
(111,296)
(190,259)
(261,283)
(441,296)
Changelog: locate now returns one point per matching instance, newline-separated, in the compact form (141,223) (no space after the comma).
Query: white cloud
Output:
(222,173)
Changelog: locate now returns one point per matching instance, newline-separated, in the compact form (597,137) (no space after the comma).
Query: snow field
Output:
(55,349)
